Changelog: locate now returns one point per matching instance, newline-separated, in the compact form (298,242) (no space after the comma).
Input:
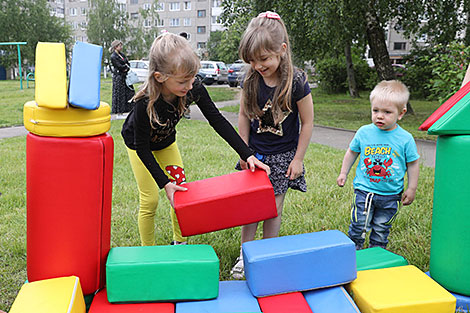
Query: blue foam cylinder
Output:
(299,262)
(85,74)
(330,300)
(234,297)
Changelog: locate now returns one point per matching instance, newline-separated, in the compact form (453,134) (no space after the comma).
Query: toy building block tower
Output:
(451,213)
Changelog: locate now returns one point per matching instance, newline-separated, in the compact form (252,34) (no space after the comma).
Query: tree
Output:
(142,35)
(29,21)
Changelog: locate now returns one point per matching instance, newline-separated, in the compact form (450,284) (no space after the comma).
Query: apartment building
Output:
(195,17)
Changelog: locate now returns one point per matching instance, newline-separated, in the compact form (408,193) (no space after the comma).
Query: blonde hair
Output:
(266,34)
(170,55)
(391,91)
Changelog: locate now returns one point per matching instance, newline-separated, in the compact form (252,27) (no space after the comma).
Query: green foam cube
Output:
(377,257)
(162,273)
(454,121)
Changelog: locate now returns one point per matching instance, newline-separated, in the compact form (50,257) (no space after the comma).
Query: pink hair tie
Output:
(269,14)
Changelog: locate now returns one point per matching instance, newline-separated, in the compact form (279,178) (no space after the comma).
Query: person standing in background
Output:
(121,92)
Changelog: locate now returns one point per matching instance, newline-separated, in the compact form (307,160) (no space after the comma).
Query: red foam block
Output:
(446,106)
(289,302)
(68,193)
(225,201)
(101,304)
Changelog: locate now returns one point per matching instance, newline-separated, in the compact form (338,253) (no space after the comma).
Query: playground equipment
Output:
(18,44)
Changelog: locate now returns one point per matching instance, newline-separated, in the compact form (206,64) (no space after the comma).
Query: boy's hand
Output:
(252,162)
(295,169)
(170,190)
(341,180)
(408,196)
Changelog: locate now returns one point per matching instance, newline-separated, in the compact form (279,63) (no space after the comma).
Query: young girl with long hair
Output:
(149,131)
(274,96)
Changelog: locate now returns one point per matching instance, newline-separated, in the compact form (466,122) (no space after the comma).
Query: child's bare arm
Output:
(243,129)
(348,160)
(413,174)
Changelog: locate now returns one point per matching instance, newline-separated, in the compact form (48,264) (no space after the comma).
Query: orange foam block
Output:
(225,201)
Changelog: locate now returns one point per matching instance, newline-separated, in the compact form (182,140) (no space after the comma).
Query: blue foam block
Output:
(299,262)
(330,300)
(234,297)
(84,87)
(463,302)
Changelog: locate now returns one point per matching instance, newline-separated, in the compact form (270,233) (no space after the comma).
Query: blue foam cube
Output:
(330,300)
(85,75)
(234,297)
(463,302)
(299,262)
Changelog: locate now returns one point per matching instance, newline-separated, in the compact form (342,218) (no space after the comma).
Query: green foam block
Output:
(162,273)
(454,121)
(375,258)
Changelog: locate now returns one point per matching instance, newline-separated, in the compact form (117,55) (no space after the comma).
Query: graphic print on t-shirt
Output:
(266,121)
(378,161)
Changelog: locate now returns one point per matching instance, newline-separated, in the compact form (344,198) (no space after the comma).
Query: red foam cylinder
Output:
(225,201)
(446,106)
(68,192)
(289,302)
(100,304)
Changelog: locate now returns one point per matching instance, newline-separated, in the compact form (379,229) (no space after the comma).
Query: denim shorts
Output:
(377,219)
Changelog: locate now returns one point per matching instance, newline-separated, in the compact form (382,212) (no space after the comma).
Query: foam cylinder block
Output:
(101,304)
(57,295)
(68,193)
(162,273)
(449,259)
(377,257)
(446,106)
(225,201)
(330,300)
(288,302)
(234,297)
(50,75)
(299,262)
(463,302)
(69,122)
(85,76)
(454,121)
(402,289)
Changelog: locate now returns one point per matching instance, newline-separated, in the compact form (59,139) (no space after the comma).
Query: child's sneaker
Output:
(238,271)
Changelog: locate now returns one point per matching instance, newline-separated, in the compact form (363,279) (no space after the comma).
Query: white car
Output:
(213,71)
(141,68)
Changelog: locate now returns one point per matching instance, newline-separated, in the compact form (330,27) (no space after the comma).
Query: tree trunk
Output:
(353,92)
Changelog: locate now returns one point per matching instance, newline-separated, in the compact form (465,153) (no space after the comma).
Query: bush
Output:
(331,74)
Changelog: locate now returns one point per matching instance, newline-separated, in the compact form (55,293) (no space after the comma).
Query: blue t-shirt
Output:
(383,158)
(265,136)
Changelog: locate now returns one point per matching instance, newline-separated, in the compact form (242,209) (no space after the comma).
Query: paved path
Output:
(329,136)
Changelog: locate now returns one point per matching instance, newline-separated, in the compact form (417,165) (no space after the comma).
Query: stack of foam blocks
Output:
(69,166)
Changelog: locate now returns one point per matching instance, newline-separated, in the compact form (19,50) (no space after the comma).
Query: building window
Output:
(134,1)
(201,45)
(399,46)
(216,3)
(73,11)
(159,23)
(201,29)
(201,13)
(174,6)
(187,21)
(160,7)
(189,36)
(175,22)
(187,5)
(147,23)
(83,25)
(215,20)
(134,16)
(147,6)
(83,11)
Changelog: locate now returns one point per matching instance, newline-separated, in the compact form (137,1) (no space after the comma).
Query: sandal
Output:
(238,270)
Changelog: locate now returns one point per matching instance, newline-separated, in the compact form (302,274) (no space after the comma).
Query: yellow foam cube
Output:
(403,289)
(50,75)
(56,295)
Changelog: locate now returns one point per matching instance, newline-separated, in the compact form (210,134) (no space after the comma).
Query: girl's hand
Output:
(243,165)
(253,162)
(295,169)
(170,190)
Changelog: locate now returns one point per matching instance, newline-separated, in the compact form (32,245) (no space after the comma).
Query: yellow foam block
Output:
(50,75)
(56,295)
(403,289)
(69,122)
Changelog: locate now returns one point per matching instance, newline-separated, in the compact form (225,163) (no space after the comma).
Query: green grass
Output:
(324,206)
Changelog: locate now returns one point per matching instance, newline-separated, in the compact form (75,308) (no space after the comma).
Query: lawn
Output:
(324,206)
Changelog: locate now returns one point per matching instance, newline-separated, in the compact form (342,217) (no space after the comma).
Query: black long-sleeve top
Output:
(120,63)
(140,136)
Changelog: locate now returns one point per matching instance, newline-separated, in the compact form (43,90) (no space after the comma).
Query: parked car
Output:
(213,71)
(235,74)
(399,70)
(141,68)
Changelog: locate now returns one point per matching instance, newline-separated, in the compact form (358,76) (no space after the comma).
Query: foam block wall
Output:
(288,302)
(68,193)
(57,295)
(162,273)
(299,262)
(85,76)
(377,257)
(234,297)
(225,201)
(330,300)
